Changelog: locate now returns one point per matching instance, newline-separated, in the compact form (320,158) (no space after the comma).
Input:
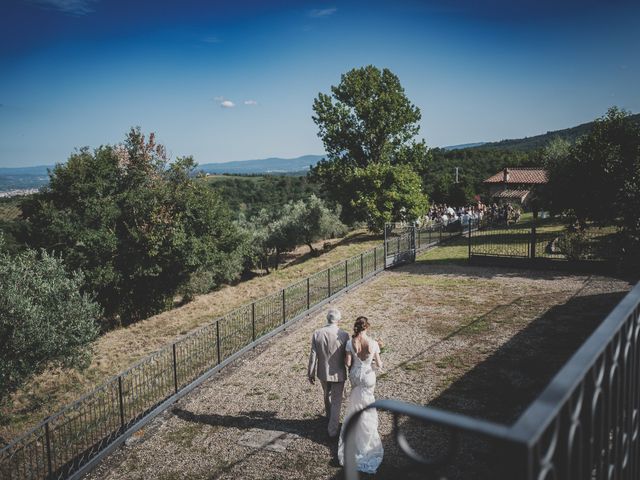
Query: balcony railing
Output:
(584,425)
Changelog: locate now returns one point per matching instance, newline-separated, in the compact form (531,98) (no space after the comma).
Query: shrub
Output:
(44,320)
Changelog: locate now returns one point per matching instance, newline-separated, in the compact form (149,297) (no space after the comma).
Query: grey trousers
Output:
(332,404)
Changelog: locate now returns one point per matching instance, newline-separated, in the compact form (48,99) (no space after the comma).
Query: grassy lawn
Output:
(475,340)
(118,349)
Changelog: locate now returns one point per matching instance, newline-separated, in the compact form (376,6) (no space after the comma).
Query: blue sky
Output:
(236,80)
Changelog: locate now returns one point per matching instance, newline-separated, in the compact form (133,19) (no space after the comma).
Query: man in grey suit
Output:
(326,361)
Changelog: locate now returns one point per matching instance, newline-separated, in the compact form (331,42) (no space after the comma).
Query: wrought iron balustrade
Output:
(584,425)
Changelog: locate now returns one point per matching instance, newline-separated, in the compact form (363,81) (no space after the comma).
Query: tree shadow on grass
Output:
(501,387)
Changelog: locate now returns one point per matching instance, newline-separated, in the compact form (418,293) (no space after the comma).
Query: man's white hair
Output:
(333,315)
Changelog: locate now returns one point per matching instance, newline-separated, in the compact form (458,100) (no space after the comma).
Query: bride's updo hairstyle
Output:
(361,324)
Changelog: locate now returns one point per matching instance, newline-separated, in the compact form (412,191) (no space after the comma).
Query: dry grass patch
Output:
(118,349)
(500,336)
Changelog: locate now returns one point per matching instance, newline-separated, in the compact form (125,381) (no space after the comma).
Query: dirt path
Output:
(475,340)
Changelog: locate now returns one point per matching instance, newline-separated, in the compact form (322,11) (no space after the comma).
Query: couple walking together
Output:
(333,351)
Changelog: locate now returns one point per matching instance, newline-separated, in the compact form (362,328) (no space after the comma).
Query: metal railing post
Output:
(346,274)
(375,259)
(121,397)
(328,282)
(253,320)
(308,294)
(284,311)
(175,369)
(384,245)
(361,266)
(218,339)
(48,440)
(470,238)
(533,241)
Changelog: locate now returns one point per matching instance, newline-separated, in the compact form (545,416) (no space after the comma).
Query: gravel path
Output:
(476,340)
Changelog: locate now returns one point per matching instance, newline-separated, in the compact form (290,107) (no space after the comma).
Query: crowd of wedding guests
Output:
(447,214)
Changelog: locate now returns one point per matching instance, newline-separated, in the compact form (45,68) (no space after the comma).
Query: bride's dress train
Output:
(368,446)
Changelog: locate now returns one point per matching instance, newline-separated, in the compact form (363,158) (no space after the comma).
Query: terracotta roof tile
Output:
(519,194)
(520,175)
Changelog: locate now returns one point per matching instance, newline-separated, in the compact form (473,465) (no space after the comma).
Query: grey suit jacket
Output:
(326,360)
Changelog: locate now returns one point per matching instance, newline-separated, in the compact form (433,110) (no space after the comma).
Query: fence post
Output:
(284,311)
(440,230)
(470,222)
(49,459)
(375,259)
(414,232)
(361,266)
(328,282)
(346,274)
(308,294)
(218,339)
(175,369)
(533,238)
(384,245)
(121,401)
(398,245)
(533,241)
(253,320)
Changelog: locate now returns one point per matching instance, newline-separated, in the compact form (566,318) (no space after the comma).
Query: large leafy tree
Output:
(273,232)
(44,319)
(138,226)
(367,120)
(598,177)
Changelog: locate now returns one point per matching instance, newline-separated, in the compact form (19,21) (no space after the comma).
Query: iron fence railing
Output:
(584,425)
(72,440)
(545,241)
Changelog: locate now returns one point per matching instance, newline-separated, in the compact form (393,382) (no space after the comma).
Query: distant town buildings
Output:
(18,192)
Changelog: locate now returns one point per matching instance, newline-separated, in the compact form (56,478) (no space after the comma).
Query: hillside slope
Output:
(539,141)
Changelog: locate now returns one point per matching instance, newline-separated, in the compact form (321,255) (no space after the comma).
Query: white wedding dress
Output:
(369,451)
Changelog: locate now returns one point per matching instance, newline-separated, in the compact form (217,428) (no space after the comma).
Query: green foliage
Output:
(385,193)
(367,121)
(598,178)
(574,244)
(475,165)
(138,227)
(249,194)
(273,232)
(44,319)
(311,220)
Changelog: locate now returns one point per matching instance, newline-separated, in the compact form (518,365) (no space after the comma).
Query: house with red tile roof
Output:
(516,185)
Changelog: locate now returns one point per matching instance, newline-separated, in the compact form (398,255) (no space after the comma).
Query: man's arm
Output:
(313,362)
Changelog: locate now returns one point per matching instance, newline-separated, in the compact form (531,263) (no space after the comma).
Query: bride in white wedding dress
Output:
(361,352)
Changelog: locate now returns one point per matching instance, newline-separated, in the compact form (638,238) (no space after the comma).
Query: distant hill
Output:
(540,141)
(40,170)
(464,145)
(273,165)
(21,178)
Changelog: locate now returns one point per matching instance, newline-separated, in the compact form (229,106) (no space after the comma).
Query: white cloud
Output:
(322,12)
(250,102)
(73,7)
(227,104)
